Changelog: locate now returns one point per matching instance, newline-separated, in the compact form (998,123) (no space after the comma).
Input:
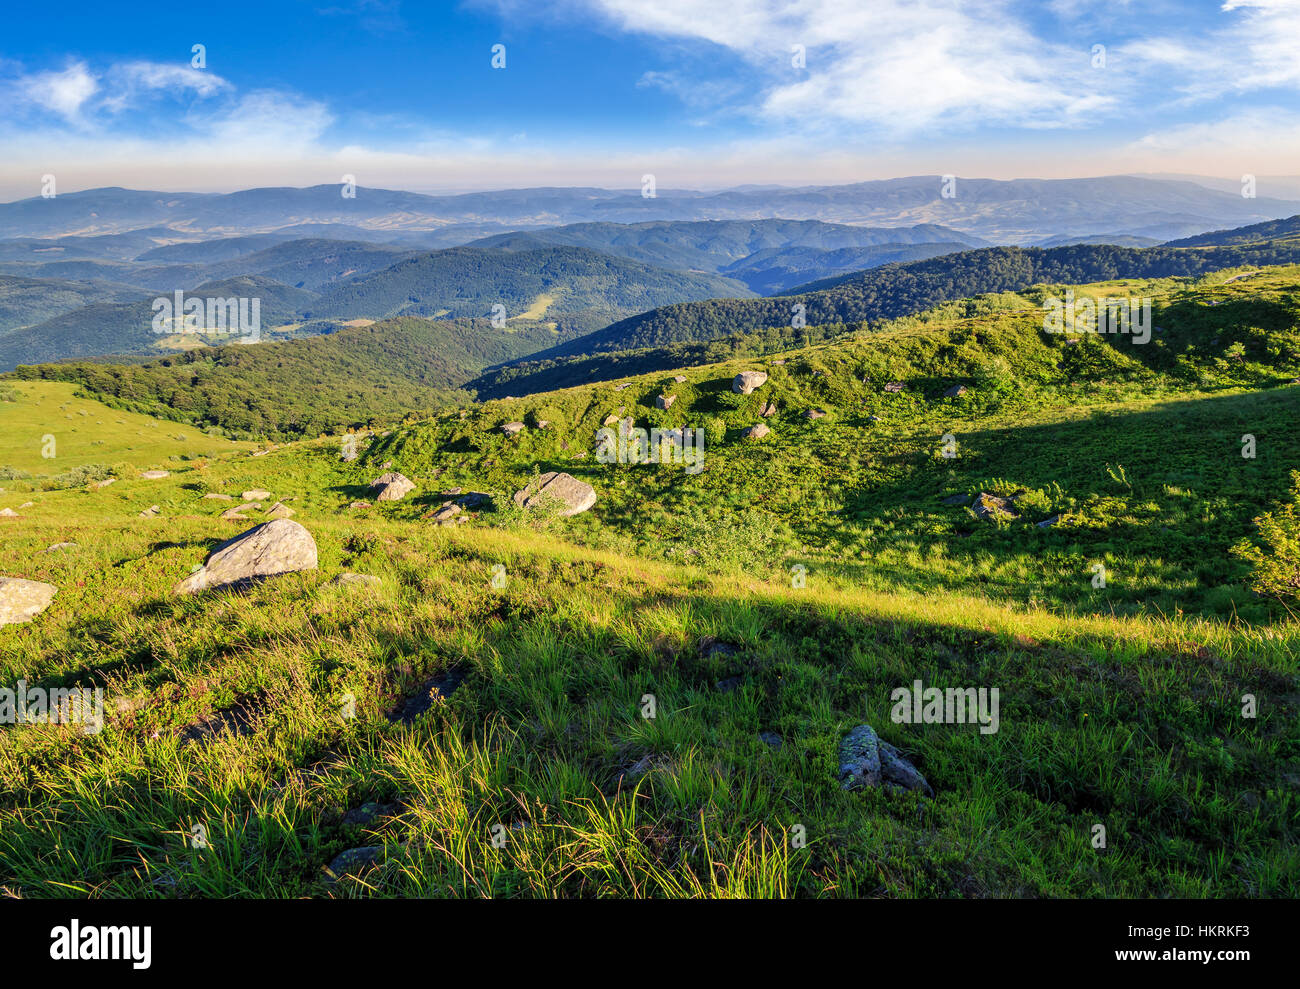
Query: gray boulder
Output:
(576,496)
(392,486)
(267,550)
(756,432)
(22,600)
(746,381)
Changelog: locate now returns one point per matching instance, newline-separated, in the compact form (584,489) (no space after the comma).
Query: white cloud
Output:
(64,92)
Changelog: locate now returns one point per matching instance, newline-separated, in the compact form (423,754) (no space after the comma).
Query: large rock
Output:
(665,401)
(991,507)
(513,428)
(746,381)
(756,432)
(392,486)
(256,494)
(22,600)
(867,762)
(576,496)
(267,550)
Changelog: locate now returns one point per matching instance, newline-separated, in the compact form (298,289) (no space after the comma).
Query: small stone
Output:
(359,504)
(214,496)
(152,512)
(512,428)
(894,386)
(768,410)
(257,494)
(756,432)
(815,414)
(679,378)
(665,402)
(59,547)
(155,475)
(356,860)
(770,738)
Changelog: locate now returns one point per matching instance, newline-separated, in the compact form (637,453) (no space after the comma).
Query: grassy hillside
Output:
(499,672)
(470,281)
(307,386)
(895,290)
(86,433)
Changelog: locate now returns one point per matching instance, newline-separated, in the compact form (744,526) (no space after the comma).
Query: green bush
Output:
(1275,568)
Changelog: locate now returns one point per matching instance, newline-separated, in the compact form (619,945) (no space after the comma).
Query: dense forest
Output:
(470,281)
(898,289)
(311,385)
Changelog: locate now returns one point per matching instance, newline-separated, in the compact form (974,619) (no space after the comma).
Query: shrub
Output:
(1275,568)
(715,431)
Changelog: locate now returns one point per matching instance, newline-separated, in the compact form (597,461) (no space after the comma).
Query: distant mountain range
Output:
(1018,211)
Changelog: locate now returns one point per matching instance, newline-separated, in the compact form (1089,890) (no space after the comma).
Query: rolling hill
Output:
(470,281)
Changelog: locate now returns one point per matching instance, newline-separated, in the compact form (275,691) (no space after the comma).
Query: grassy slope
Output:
(87,432)
(1130,721)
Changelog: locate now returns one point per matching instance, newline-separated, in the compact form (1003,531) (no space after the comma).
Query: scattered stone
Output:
(512,428)
(768,410)
(392,487)
(152,512)
(280,511)
(746,381)
(8,513)
(576,496)
(214,496)
(450,492)
(956,391)
(355,860)
(155,475)
(104,483)
(610,420)
(473,500)
(957,500)
(356,579)
(756,432)
(543,423)
(622,386)
(1048,523)
(434,690)
(446,513)
(367,813)
(709,646)
(778,362)
(257,494)
(874,419)
(359,504)
(989,506)
(59,547)
(27,504)
(22,600)
(815,414)
(679,378)
(234,515)
(277,547)
(899,773)
(665,401)
(860,759)
(771,738)
(894,386)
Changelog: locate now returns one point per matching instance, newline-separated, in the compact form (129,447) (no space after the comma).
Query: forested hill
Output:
(303,387)
(468,281)
(899,289)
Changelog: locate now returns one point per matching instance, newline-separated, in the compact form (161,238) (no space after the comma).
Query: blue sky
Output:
(702,93)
